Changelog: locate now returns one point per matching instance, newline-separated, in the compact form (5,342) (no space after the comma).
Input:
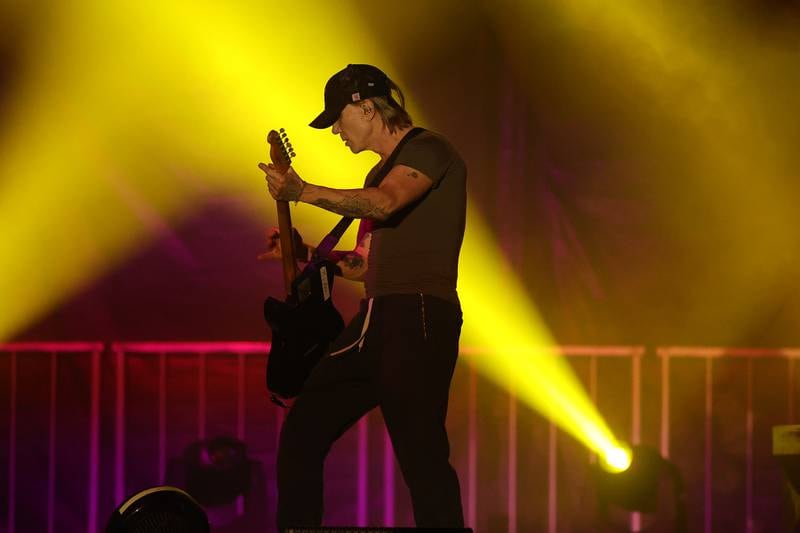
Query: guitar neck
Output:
(290,269)
(281,154)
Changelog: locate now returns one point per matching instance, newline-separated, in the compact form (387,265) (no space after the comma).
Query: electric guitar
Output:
(306,322)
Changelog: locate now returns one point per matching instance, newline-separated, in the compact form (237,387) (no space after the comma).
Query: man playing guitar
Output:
(400,350)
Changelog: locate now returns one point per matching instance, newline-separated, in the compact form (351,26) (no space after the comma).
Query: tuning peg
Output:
(281,131)
(293,154)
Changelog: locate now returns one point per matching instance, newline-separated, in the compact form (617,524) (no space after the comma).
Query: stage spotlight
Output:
(159,510)
(649,484)
(617,459)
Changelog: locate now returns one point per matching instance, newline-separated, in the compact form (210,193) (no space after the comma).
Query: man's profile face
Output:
(352,127)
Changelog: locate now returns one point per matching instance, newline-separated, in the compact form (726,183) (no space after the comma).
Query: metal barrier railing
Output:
(116,355)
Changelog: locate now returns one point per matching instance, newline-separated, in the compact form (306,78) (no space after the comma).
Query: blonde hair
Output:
(393,112)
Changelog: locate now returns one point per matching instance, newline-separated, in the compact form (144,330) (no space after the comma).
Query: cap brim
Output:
(325,119)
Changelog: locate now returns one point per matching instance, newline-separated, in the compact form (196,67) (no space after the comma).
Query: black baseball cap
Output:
(351,84)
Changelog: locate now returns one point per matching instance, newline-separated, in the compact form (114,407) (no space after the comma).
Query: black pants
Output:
(404,367)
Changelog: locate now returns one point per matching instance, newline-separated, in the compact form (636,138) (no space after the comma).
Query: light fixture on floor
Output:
(161,509)
(650,484)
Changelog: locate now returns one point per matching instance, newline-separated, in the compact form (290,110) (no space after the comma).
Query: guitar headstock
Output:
(280,150)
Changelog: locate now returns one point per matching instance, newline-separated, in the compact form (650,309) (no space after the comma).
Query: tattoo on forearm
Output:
(353,206)
(413,174)
(293,190)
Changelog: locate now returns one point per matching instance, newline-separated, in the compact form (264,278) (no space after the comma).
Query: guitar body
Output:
(303,328)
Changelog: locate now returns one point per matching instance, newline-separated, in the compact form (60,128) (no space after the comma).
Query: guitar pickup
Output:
(303,289)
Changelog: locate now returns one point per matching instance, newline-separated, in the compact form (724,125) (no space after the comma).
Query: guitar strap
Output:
(331,239)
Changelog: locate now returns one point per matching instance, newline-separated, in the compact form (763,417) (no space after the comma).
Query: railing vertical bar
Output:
(749,453)
(636,422)
(512,463)
(94,445)
(552,481)
(119,428)
(241,412)
(12,447)
(162,418)
(201,397)
(792,390)
(51,445)
(593,396)
(665,381)
(708,500)
(241,394)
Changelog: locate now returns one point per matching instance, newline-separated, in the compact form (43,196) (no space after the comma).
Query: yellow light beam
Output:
(518,352)
(119,104)
(195,90)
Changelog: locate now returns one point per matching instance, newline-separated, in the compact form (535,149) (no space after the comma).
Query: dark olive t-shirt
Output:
(416,249)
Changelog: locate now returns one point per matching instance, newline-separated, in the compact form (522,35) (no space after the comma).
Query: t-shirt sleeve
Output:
(428,153)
